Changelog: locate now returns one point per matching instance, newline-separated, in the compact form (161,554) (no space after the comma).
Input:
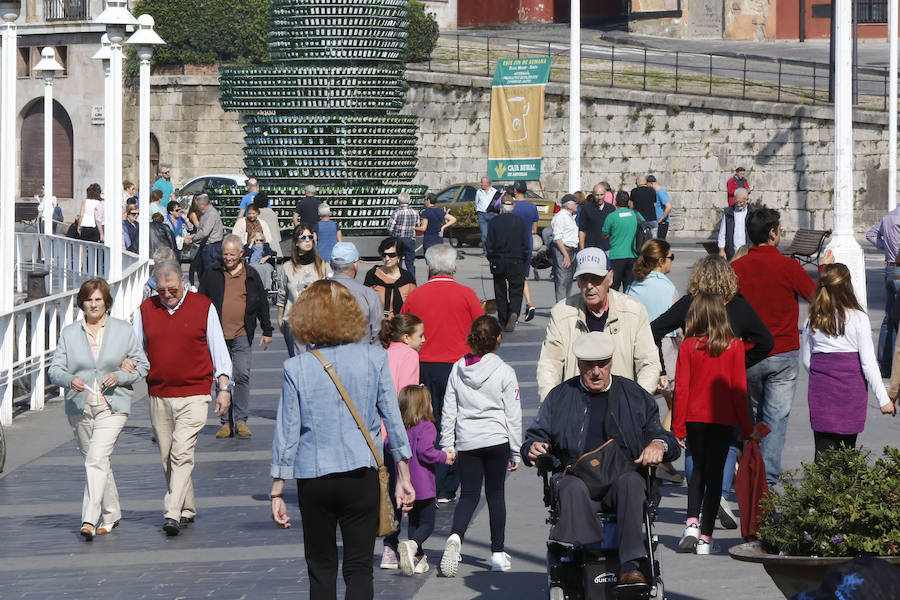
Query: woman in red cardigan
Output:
(710,401)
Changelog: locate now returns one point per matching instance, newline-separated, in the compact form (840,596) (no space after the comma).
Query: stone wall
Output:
(692,144)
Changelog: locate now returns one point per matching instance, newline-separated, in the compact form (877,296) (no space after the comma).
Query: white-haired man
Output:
(403,225)
(306,209)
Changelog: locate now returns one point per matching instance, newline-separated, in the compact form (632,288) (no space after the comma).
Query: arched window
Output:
(33,151)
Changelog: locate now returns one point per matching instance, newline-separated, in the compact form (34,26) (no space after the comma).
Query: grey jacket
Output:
(73,358)
(369,302)
(210,229)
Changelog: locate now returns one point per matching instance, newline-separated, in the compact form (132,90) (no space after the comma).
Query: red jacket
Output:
(447,309)
(771,282)
(710,389)
(733,185)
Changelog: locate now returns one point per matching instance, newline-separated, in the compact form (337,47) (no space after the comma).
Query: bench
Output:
(807,245)
(27,213)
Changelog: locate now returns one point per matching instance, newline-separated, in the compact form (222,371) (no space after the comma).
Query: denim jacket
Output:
(315,434)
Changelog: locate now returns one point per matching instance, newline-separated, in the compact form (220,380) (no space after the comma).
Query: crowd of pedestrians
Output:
(409,374)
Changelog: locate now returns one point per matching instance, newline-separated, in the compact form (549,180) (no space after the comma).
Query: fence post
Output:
(518,42)
(779,80)
(815,91)
(744,83)
(710,74)
(645,68)
(457,54)
(612,67)
(488,57)
(676,71)
(885,76)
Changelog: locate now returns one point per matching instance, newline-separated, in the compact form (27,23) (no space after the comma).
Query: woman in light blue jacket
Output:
(87,363)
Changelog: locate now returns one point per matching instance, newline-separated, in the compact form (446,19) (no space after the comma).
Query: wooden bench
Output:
(27,213)
(807,245)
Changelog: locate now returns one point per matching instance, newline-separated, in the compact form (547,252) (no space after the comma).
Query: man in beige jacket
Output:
(597,308)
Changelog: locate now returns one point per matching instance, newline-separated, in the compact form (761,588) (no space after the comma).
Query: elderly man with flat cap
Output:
(580,415)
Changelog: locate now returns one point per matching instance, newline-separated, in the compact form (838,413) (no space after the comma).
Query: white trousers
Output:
(96,431)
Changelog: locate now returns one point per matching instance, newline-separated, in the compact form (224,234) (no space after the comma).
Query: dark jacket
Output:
(161,236)
(745,324)
(632,419)
(506,238)
(212,285)
(728,215)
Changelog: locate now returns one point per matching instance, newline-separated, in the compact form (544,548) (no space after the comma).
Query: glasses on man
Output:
(389,254)
(169,291)
(305,238)
(133,213)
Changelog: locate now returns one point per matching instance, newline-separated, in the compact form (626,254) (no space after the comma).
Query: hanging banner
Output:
(517,118)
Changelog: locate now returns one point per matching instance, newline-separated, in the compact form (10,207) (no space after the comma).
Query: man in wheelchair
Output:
(580,415)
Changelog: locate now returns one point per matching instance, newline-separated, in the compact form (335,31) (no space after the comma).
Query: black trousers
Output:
(349,500)
(578,522)
(509,287)
(434,376)
(708,443)
(662,230)
(827,441)
(421,524)
(476,467)
(623,272)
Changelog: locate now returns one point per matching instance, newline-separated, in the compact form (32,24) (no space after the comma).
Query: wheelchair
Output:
(577,572)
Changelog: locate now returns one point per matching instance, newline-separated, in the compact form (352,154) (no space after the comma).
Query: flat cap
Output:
(596,345)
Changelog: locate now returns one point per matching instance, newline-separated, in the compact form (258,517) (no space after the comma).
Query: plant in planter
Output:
(465,231)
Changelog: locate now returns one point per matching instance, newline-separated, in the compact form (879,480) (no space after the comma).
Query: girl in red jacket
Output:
(710,401)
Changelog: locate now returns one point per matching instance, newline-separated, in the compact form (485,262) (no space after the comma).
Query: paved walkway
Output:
(234,551)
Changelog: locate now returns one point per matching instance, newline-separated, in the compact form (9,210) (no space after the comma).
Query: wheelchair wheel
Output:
(2,448)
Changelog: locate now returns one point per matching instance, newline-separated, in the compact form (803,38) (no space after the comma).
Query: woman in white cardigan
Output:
(87,362)
(249,224)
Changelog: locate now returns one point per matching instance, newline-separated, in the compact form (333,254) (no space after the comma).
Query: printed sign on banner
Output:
(517,118)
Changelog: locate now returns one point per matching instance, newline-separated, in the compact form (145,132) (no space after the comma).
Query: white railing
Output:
(28,334)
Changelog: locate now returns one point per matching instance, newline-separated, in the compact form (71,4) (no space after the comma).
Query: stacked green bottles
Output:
(325,112)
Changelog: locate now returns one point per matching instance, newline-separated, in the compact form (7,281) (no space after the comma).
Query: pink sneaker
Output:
(389,559)
(421,564)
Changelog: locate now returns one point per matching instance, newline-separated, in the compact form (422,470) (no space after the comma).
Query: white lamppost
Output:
(575,97)
(892,105)
(116,18)
(103,55)
(144,38)
(843,244)
(48,67)
(9,12)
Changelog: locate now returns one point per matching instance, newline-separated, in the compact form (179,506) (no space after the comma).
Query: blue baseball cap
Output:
(344,253)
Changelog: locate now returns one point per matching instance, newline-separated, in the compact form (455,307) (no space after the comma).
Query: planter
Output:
(793,574)
(464,235)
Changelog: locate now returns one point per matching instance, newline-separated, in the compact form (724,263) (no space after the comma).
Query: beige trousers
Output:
(177,423)
(96,431)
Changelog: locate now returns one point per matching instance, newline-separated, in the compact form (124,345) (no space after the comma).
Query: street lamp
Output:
(9,12)
(104,54)
(48,67)
(144,38)
(116,18)
(575,96)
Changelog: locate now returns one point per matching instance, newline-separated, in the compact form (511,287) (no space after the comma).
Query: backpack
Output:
(642,235)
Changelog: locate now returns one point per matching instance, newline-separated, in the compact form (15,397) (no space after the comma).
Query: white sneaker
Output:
(389,559)
(450,559)
(421,565)
(703,547)
(689,537)
(726,517)
(407,551)
(500,561)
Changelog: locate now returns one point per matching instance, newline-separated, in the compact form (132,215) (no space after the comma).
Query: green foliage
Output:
(423,33)
(843,506)
(465,215)
(205,32)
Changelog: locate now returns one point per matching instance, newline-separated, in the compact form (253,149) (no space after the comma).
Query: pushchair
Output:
(591,573)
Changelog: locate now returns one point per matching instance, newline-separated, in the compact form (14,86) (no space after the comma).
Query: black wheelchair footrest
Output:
(632,591)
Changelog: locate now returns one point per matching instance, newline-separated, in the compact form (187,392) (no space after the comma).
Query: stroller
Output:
(591,573)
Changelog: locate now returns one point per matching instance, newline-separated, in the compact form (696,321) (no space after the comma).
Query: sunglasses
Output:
(389,254)
(133,213)
(671,256)
(305,238)
(163,173)
(169,291)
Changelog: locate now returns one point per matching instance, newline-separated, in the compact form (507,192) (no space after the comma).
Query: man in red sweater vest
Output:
(183,339)
(447,309)
(771,283)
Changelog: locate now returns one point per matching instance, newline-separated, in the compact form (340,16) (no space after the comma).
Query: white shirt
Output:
(565,228)
(483,199)
(740,229)
(857,338)
(88,217)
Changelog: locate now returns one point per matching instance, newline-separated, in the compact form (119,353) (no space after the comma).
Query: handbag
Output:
(387,520)
(600,468)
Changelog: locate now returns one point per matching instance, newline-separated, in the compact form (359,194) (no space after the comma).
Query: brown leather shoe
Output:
(241,430)
(87,531)
(632,577)
(106,528)
(224,431)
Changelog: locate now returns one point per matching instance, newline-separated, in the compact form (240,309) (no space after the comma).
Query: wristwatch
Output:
(228,388)
(664,444)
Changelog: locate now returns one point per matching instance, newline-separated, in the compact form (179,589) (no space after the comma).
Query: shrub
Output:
(422,33)
(844,506)
(465,215)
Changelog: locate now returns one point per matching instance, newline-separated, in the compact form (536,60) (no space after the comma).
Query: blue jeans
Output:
(888,334)
(727,472)
(770,386)
(408,251)
(289,339)
(483,219)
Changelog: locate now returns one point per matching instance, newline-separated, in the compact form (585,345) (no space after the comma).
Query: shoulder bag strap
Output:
(329,368)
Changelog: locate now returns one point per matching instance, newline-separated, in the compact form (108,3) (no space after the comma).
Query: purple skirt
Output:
(838,395)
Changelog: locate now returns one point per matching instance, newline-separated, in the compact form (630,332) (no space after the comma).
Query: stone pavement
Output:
(234,551)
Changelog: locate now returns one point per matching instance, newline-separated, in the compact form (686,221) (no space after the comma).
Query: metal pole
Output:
(144,156)
(7,168)
(843,243)
(575,97)
(113,231)
(48,159)
(108,165)
(892,105)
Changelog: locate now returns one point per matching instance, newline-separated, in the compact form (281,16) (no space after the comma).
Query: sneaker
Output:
(407,551)
(421,565)
(703,547)
(529,312)
(389,559)
(224,431)
(446,500)
(726,517)
(689,537)
(241,430)
(450,558)
(500,561)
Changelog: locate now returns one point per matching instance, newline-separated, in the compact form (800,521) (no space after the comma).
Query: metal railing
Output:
(635,68)
(67,10)
(29,333)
